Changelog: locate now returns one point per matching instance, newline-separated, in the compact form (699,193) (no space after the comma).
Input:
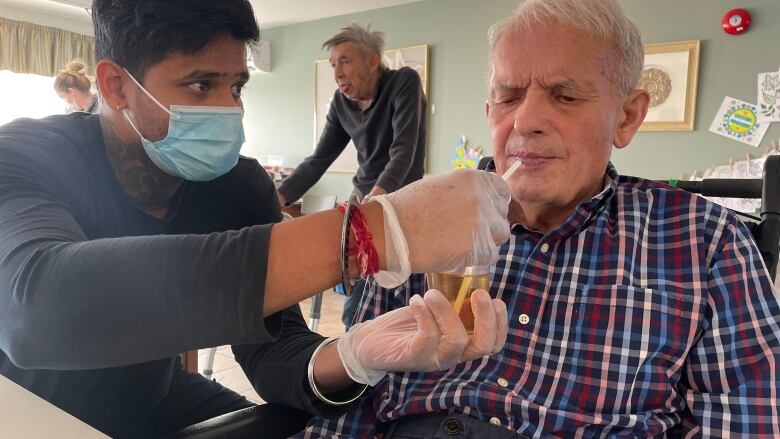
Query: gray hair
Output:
(604,19)
(370,42)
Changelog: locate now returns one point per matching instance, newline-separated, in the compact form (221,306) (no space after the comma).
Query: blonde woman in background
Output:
(74,87)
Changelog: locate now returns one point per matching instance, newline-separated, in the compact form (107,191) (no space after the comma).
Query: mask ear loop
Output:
(173,115)
(124,113)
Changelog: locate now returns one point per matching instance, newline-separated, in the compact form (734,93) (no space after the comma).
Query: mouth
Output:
(531,160)
(345,88)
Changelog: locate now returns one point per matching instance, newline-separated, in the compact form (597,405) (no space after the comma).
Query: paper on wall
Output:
(769,97)
(738,120)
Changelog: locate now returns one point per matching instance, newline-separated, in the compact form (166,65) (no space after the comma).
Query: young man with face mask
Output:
(130,236)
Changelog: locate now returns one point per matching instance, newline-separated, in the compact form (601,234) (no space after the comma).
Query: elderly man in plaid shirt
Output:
(635,310)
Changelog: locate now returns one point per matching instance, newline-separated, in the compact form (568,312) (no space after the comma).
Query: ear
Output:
(631,116)
(111,80)
(373,61)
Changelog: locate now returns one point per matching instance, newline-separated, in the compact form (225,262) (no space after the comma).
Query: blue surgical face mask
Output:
(202,142)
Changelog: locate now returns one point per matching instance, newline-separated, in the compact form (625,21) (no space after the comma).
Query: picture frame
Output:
(670,74)
(325,87)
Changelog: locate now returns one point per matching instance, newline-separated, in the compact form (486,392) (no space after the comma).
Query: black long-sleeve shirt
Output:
(389,136)
(97,298)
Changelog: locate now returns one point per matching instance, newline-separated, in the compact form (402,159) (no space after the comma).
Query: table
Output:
(25,415)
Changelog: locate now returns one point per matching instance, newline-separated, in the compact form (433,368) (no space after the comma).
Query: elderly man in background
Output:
(383,112)
(635,309)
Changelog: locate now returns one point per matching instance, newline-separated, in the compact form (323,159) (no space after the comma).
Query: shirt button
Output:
(545,247)
(524,319)
(452,426)
(495,421)
(502,382)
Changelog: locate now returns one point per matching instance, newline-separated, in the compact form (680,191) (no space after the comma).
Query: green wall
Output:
(279,104)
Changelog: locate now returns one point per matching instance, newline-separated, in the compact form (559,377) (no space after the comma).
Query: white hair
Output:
(603,19)
(370,42)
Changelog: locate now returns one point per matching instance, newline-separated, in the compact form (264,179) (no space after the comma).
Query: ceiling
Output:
(274,13)
(270,13)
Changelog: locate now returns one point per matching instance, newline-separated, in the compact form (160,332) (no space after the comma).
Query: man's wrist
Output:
(327,377)
(375,222)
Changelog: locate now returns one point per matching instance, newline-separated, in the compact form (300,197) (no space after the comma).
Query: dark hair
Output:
(138,34)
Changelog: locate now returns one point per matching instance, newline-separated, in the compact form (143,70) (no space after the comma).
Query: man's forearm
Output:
(304,256)
(90,281)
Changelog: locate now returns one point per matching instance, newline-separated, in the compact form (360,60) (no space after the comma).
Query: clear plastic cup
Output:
(457,288)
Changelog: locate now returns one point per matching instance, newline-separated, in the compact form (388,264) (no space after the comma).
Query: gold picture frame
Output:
(670,75)
(415,57)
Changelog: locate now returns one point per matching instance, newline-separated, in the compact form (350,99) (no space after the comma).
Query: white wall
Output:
(20,14)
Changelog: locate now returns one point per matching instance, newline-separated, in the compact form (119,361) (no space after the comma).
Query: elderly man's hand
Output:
(427,335)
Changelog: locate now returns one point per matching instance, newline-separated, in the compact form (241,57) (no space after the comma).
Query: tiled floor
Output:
(227,371)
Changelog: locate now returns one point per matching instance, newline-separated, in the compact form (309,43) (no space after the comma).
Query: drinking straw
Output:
(466,283)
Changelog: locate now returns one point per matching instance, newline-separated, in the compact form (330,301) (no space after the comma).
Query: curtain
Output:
(42,50)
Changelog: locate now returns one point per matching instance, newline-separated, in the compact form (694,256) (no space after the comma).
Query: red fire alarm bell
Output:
(736,21)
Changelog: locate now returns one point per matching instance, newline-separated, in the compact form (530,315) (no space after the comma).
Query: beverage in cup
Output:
(457,288)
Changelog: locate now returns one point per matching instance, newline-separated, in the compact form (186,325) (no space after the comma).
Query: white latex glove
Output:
(427,335)
(443,223)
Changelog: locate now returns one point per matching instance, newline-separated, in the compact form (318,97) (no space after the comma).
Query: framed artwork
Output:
(670,75)
(325,87)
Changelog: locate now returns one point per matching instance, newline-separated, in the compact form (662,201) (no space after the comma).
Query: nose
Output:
(338,71)
(532,114)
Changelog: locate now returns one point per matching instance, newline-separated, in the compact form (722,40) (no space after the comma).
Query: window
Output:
(27,95)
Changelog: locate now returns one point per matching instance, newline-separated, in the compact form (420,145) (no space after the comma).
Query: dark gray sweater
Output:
(96,297)
(389,136)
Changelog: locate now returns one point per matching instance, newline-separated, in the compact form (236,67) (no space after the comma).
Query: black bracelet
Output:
(346,282)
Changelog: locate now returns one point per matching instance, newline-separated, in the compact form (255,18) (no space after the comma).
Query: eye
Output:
(200,87)
(507,101)
(567,99)
(237,89)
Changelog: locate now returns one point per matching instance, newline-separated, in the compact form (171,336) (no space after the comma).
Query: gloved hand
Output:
(443,223)
(427,335)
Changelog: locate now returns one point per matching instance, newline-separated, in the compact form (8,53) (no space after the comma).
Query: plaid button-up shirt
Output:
(649,312)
